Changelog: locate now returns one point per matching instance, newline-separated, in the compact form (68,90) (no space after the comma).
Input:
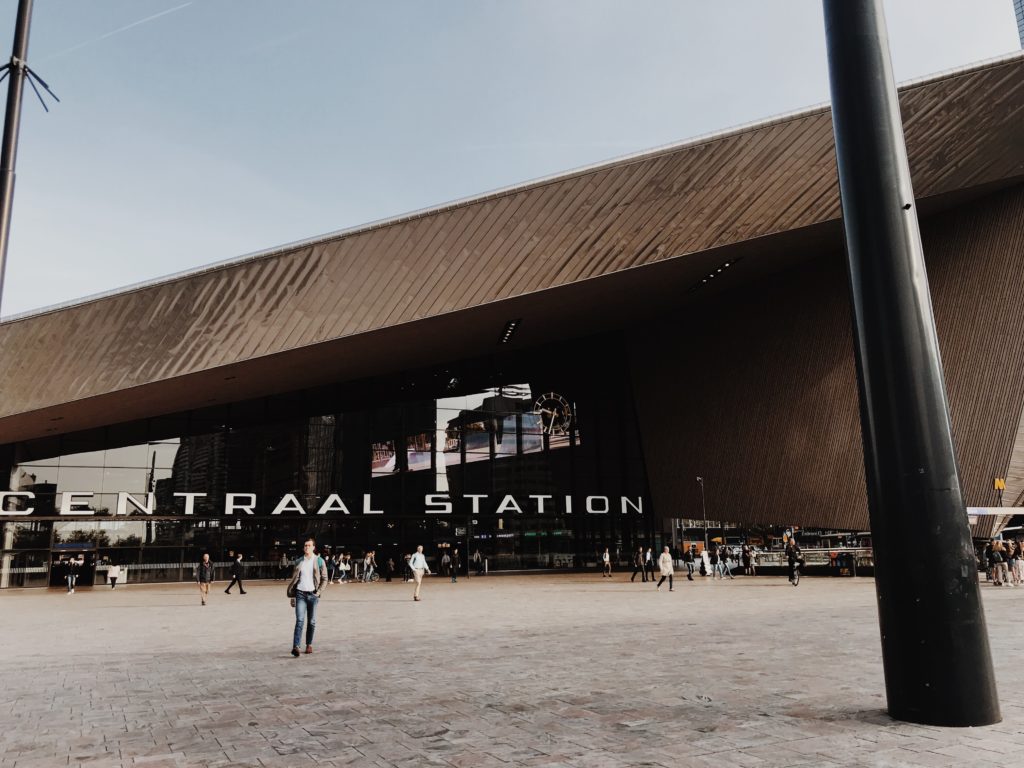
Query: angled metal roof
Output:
(385,294)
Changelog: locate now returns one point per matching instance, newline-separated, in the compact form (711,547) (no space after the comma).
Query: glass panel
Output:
(123,533)
(418,451)
(121,480)
(165,454)
(87,459)
(34,477)
(72,478)
(24,569)
(77,532)
(129,456)
(26,534)
(384,459)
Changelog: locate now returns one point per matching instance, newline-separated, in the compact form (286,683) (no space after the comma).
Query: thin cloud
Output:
(117,31)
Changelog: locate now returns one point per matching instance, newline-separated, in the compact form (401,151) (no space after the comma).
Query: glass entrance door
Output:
(81,564)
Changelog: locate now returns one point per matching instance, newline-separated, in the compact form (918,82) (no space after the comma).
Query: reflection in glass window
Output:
(77,532)
(32,477)
(418,451)
(533,433)
(123,533)
(383,458)
(88,479)
(123,480)
(505,438)
(129,456)
(26,534)
(164,454)
(477,439)
(87,459)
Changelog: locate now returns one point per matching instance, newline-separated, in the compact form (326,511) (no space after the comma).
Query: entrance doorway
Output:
(80,562)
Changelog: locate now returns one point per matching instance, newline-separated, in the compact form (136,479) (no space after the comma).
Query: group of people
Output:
(716,561)
(1004,562)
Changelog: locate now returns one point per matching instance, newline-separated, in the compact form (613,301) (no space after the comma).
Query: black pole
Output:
(935,650)
(12,121)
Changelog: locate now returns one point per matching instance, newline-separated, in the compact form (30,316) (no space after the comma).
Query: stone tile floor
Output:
(570,670)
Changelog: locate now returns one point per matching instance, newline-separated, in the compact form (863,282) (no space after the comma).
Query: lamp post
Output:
(704,509)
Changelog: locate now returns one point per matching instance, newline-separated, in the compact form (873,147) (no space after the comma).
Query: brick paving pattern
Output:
(496,671)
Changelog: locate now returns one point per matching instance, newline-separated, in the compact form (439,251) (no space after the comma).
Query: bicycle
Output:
(795,578)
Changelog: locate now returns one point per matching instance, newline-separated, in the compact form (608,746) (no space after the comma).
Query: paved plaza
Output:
(496,671)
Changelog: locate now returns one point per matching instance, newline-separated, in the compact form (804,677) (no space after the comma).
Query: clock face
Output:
(555,413)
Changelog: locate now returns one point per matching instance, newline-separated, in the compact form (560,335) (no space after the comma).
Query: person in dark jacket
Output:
(638,565)
(237,572)
(204,577)
(454,565)
(794,557)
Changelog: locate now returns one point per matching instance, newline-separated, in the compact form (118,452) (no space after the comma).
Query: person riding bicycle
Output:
(794,557)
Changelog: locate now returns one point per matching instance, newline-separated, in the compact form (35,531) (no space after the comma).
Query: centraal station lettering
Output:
(77,503)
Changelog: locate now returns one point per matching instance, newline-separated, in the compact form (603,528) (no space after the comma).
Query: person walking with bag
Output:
(665,566)
(309,577)
(418,564)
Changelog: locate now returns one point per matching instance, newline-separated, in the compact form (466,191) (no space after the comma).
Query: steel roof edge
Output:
(541,181)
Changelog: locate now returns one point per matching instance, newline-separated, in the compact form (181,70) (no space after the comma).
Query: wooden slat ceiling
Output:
(963,132)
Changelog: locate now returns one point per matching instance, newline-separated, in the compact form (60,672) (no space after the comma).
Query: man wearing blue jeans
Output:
(308,580)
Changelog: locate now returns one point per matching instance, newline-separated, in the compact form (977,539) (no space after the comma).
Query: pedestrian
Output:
(665,566)
(725,564)
(446,562)
(794,557)
(478,562)
(689,558)
(713,559)
(454,565)
(368,566)
(346,568)
(606,559)
(407,573)
(113,574)
(237,572)
(418,564)
(389,569)
(71,573)
(309,577)
(745,559)
(204,577)
(638,565)
(282,567)
(332,564)
(649,563)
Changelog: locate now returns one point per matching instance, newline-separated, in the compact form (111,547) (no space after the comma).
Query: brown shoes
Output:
(309,649)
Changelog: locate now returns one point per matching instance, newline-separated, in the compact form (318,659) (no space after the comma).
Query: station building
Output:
(536,373)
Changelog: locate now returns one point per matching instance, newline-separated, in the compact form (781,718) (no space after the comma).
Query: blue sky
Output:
(192,132)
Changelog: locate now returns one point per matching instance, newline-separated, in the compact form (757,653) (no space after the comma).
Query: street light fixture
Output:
(704,509)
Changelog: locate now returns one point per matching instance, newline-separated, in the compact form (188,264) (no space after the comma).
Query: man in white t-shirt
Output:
(309,577)
(419,566)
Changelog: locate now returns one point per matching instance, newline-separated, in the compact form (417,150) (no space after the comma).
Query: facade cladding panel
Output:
(368,364)
(760,394)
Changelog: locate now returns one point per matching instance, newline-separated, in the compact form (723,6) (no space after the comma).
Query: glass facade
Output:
(533,465)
